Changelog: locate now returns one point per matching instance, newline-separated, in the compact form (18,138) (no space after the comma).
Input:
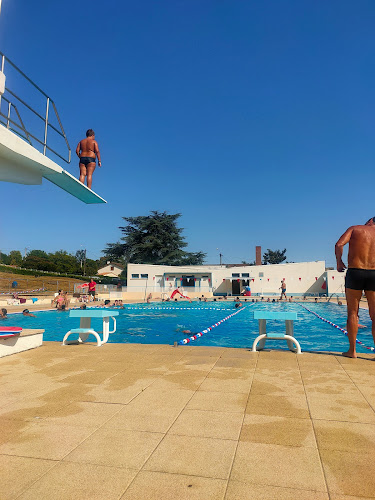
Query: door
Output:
(158,283)
(235,287)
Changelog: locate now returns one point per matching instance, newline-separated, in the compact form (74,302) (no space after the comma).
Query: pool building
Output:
(302,278)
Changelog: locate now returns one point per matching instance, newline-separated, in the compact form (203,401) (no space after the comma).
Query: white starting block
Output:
(288,317)
(85,329)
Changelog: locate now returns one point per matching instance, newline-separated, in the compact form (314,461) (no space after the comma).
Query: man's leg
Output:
(82,173)
(370,296)
(90,171)
(352,300)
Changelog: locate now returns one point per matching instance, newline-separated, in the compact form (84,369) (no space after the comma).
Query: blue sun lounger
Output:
(288,317)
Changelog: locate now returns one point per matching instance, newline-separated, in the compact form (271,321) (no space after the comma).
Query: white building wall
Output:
(336,282)
(301,278)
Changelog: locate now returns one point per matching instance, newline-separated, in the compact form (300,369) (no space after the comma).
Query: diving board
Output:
(21,163)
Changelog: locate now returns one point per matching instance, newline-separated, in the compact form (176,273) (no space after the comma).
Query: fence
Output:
(15,112)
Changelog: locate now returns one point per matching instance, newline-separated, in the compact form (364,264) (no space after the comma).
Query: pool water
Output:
(163,324)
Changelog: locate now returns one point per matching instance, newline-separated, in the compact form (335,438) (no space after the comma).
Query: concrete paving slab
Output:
(160,485)
(194,455)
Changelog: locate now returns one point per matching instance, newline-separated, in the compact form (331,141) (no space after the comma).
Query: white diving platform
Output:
(21,163)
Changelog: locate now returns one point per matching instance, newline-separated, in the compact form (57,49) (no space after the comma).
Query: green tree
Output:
(274,256)
(4,258)
(91,267)
(34,262)
(65,262)
(15,258)
(38,253)
(152,239)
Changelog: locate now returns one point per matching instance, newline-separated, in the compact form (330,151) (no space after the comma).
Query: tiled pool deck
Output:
(151,422)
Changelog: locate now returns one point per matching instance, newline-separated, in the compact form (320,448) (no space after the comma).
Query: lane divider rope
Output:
(200,334)
(336,326)
(178,308)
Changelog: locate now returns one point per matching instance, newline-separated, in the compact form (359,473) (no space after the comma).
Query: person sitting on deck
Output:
(66,300)
(59,299)
(87,152)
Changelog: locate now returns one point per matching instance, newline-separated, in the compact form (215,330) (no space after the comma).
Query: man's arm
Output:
(78,150)
(339,247)
(97,152)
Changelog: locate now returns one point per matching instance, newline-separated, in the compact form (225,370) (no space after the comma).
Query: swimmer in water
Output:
(26,312)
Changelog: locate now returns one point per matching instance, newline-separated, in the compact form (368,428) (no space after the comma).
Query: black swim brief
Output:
(360,279)
(85,160)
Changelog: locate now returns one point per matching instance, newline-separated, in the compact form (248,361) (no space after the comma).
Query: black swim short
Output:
(85,160)
(360,279)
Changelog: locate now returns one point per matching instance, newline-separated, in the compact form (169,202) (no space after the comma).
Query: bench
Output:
(288,317)
(85,328)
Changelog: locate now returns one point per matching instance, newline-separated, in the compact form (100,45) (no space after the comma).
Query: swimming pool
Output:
(163,324)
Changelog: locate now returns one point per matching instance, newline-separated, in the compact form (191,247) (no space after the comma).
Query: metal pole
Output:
(84,265)
(46,128)
(9,105)
(2,63)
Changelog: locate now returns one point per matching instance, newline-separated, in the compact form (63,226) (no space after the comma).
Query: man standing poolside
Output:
(283,289)
(360,275)
(92,288)
(87,151)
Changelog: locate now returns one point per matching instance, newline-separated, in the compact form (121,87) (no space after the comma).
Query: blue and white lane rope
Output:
(200,334)
(145,308)
(336,326)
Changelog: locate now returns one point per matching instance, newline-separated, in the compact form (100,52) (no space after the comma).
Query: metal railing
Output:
(19,127)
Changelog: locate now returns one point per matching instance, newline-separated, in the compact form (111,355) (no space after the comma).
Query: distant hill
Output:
(28,283)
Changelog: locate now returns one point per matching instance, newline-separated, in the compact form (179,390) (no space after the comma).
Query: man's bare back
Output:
(87,151)
(88,147)
(361,241)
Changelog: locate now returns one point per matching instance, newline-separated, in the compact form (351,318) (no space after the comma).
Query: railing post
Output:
(2,64)
(9,106)
(46,128)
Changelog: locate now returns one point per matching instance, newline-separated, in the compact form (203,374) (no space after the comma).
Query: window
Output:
(245,275)
(135,275)
(205,277)
(261,275)
(112,268)
(144,276)
(235,275)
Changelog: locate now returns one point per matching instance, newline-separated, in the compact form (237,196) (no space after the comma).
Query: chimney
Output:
(258,256)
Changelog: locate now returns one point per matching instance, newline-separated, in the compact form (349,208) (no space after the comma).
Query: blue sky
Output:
(253,119)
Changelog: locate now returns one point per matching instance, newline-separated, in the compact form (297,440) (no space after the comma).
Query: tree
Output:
(38,253)
(35,262)
(248,263)
(153,239)
(15,258)
(4,258)
(274,256)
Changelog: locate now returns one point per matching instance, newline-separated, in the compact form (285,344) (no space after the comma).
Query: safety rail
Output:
(19,128)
